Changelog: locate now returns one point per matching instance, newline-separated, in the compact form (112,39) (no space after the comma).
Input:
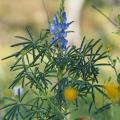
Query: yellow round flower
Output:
(70,94)
(113,92)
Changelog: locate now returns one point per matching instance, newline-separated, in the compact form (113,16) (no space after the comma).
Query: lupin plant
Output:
(55,75)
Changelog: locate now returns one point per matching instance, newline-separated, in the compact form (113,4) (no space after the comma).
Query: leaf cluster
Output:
(45,71)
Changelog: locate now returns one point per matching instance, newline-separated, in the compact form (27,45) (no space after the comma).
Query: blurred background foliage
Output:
(15,15)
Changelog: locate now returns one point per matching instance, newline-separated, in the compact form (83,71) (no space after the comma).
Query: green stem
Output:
(62,4)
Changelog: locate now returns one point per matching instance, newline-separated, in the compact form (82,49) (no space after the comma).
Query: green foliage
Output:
(44,69)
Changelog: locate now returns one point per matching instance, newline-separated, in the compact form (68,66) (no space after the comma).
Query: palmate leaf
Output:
(31,43)
(37,79)
(14,109)
(38,107)
(80,56)
(36,110)
(29,49)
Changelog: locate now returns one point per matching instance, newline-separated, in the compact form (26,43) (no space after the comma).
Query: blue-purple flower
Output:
(58,29)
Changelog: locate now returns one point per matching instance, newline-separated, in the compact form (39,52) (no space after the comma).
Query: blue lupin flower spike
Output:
(58,29)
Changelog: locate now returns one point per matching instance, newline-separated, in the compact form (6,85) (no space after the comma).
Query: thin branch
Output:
(105,16)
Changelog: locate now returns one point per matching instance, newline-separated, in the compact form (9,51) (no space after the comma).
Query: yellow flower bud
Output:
(70,94)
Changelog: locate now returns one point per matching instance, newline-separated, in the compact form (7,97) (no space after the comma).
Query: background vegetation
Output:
(15,16)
